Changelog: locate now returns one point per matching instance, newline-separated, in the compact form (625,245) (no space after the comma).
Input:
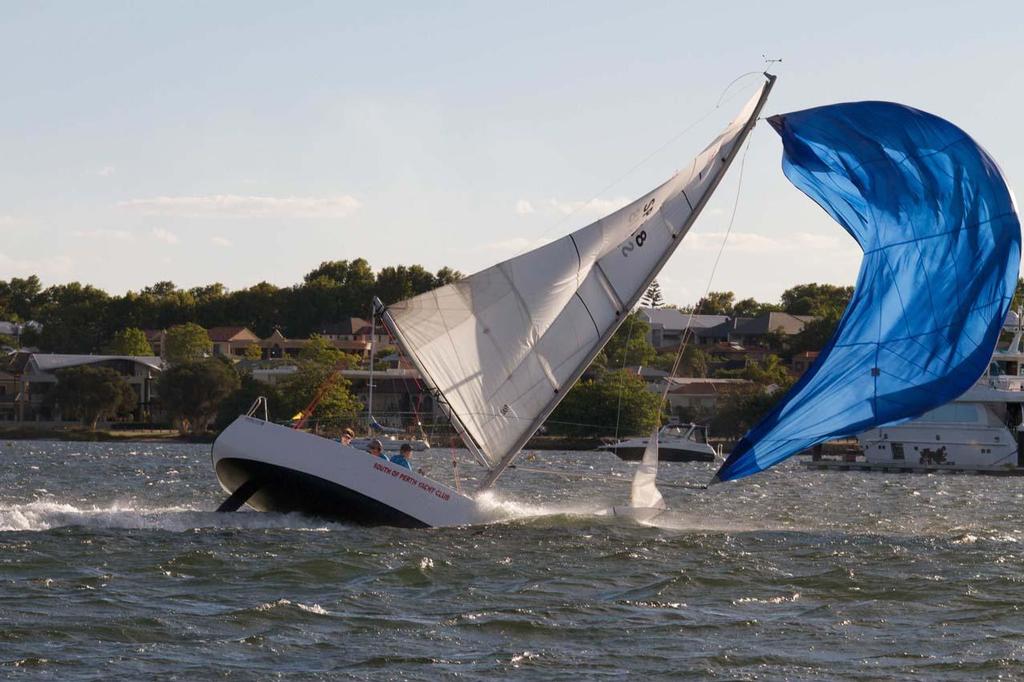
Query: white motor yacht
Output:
(981,431)
(676,443)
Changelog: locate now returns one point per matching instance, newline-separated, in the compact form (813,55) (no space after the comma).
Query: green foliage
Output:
(129,341)
(253,352)
(92,393)
(73,318)
(815,333)
(694,362)
(242,398)
(317,370)
(716,303)
(741,409)
(629,346)
(19,298)
(770,371)
(748,307)
(192,392)
(1018,295)
(398,283)
(8,341)
(652,298)
(816,299)
(186,343)
(591,407)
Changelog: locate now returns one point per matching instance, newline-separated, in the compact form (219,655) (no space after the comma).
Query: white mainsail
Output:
(644,492)
(503,346)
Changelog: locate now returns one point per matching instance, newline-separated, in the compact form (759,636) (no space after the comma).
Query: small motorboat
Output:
(676,443)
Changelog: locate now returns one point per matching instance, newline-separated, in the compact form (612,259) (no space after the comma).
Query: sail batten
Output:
(504,345)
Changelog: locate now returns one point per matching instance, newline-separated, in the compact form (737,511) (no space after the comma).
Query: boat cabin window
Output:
(699,434)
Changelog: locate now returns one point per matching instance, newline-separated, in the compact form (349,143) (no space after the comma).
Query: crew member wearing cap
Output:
(376,448)
(402,458)
(346,436)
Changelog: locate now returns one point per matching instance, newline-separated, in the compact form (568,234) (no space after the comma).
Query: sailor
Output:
(402,458)
(376,448)
(346,436)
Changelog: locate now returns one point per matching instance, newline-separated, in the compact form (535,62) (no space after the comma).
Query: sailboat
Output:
(498,349)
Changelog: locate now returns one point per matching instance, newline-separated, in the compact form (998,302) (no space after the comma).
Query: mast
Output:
(373,347)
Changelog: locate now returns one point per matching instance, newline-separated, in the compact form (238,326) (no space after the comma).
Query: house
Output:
(15,330)
(750,331)
(353,329)
(26,380)
(231,342)
(668,324)
(801,362)
(689,396)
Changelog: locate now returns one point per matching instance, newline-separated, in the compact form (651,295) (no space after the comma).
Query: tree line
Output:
(80,318)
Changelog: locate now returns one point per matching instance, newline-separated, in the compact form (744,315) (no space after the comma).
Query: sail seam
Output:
(587,308)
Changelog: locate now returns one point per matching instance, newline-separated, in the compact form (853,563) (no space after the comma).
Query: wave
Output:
(43,515)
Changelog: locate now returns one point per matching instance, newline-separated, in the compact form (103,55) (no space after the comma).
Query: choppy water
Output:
(112,566)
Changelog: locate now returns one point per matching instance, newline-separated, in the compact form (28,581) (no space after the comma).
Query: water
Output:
(112,566)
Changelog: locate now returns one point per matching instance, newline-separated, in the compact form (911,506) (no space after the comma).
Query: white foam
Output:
(42,515)
(497,507)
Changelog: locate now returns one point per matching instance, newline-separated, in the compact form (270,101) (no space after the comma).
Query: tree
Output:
(397,283)
(594,408)
(652,298)
(816,299)
(319,363)
(447,276)
(716,303)
(741,409)
(815,333)
(629,346)
(694,362)
(242,398)
(748,307)
(769,372)
(192,392)
(129,341)
(92,393)
(253,352)
(186,343)
(73,318)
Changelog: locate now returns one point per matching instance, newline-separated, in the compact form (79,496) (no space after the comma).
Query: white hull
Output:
(671,448)
(976,440)
(294,471)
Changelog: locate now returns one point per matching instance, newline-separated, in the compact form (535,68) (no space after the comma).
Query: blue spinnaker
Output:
(941,241)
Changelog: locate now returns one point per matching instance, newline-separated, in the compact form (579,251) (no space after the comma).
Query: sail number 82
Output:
(638,239)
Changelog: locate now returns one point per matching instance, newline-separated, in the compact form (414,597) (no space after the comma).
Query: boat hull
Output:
(294,471)
(634,453)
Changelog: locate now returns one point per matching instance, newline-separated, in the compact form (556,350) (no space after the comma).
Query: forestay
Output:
(941,241)
(503,346)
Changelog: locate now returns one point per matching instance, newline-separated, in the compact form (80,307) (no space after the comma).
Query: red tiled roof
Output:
(223,334)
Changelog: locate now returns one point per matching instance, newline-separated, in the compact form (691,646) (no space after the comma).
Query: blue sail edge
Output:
(941,241)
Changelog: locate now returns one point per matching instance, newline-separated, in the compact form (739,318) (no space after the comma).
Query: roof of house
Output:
(225,334)
(346,327)
(769,322)
(676,320)
(51,362)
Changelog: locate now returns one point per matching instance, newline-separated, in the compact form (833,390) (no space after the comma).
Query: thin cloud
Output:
(524,207)
(52,266)
(103,234)
(165,236)
(106,171)
(234,205)
(220,241)
(595,207)
(751,242)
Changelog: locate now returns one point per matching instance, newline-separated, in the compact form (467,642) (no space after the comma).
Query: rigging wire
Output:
(685,336)
(725,96)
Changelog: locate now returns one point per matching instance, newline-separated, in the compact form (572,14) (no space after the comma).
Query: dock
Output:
(839,465)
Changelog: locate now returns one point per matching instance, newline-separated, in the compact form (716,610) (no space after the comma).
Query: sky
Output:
(238,142)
